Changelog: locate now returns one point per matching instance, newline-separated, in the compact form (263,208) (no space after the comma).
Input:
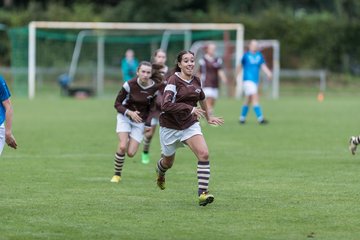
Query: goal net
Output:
(226,48)
(88,55)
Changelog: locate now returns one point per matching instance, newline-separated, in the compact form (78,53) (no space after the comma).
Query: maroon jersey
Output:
(135,97)
(158,100)
(180,97)
(162,85)
(209,69)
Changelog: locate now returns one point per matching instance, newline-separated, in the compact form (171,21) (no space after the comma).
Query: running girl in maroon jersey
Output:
(133,104)
(179,123)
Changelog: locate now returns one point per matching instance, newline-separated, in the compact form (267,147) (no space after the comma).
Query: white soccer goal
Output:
(318,74)
(100,27)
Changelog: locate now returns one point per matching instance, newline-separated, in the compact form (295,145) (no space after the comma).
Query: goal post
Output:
(271,51)
(269,48)
(97,26)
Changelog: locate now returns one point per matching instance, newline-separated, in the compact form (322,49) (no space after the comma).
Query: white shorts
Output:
(124,124)
(171,139)
(250,88)
(211,92)
(2,137)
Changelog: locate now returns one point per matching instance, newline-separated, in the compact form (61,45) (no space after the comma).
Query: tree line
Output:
(312,33)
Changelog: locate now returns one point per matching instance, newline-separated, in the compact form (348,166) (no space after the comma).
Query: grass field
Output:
(291,179)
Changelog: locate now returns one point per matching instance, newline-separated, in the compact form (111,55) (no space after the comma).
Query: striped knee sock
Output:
(161,168)
(146,144)
(203,175)
(119,162)
(356,140)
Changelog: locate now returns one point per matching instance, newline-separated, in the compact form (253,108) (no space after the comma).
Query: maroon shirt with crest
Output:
(179,99)
(135,97)
(209,70)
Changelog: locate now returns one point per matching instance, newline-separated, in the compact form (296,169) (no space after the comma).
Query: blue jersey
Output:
(4,95)
(129,68)
(251,63)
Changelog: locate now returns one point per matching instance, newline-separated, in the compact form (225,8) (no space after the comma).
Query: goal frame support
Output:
(34,25)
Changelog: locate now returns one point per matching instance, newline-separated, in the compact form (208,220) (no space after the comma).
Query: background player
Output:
(159,60)
(6,117)
(251,63)
(129,65)
(133,105)
(354,141)
(210,71)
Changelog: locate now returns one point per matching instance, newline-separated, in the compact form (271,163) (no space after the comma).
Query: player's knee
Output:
(203,154)
(148,136)
(131,153)
(122,148)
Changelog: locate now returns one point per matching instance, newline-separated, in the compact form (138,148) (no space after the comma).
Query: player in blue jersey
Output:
(251,63)
(129,65)
(6,117)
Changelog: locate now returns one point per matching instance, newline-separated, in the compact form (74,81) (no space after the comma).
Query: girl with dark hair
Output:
(179,123)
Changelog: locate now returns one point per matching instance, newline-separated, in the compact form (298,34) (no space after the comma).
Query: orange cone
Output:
(320,97)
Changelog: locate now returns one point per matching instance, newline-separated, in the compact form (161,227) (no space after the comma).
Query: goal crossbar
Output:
(34,25)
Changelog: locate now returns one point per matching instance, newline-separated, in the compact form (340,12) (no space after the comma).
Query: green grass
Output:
(291,179)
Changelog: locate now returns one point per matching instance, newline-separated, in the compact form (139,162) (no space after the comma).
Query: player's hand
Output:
(216,121)
(134,115)
(10,140)
(199,113)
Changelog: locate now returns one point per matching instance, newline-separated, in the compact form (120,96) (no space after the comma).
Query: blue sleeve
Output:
(262,59)
(4,90)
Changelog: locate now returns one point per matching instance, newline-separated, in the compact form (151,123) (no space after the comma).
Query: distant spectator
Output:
(129,65)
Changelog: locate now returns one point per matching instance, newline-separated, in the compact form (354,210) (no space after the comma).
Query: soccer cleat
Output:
(205,198)
(115,179)
(160,180)
(263,122)
(352,145)
(145,159)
